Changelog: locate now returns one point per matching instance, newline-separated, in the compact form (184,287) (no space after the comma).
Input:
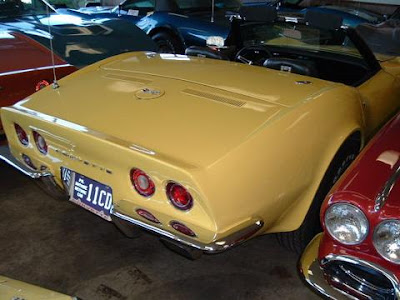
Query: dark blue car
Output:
(177,24)
(174,24)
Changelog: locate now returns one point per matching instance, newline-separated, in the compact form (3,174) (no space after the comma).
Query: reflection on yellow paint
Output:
(124,87)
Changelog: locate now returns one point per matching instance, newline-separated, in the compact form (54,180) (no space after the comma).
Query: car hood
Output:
(175,105)
(80,41)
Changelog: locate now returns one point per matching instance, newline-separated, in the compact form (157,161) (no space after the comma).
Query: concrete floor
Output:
(62,247)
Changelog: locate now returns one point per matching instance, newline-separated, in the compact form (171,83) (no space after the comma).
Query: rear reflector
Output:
(40,142)
(28,161)
(41,84)
(182,228)
(147,215)
(21,134)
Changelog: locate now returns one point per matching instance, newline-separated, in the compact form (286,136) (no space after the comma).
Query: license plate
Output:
(88,193)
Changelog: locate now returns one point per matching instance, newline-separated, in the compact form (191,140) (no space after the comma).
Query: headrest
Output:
(166,6)
(266,14)
(323,20)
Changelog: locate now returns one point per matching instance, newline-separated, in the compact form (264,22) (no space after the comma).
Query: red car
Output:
(25,67)
(358,254)
(27,31)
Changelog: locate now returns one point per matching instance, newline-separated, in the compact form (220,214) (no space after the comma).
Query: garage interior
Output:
(56,245)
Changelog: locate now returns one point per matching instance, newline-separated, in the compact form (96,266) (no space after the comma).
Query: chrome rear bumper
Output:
(221,245)
(218,246)
(347,284)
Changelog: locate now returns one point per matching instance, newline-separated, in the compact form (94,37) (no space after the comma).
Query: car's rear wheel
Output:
(167,43)
(297,240)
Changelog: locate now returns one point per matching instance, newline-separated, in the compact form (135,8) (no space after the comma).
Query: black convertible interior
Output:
(328,65)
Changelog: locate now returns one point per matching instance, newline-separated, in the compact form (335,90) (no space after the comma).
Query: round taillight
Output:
(40,142)
(142,183)
(41,84)
(21,134)
(182,228)
(147,215)
(179,196)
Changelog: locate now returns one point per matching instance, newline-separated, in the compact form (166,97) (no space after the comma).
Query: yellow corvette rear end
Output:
(209,153)
(222,142)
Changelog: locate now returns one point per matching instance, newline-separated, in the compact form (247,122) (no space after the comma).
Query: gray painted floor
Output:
(62,247)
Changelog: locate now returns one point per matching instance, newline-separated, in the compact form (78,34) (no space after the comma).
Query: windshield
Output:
(370,16)
(13,8)
(298,36)
(396,14)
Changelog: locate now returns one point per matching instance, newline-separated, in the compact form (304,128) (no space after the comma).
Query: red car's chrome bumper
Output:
(226,243)
(343,277)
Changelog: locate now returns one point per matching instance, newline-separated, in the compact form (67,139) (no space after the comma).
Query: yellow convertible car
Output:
(209,153)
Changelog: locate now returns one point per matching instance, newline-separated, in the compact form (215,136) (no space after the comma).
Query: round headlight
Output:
(387,240)
(346,223)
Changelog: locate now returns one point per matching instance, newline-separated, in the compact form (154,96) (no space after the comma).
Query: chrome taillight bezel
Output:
(41,147)
(168,189)
(18,130)
(135,173)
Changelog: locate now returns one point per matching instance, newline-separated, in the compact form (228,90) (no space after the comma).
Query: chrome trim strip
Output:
(386,189)
(74,126)
(34,69)
(7,157)
(214,247)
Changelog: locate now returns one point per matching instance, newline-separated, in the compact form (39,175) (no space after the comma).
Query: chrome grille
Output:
(359,281)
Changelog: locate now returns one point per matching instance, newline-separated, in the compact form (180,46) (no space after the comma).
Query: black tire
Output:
(297,240)
(167,43)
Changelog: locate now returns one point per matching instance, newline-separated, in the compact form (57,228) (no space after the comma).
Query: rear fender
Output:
(170,29)
(295,214)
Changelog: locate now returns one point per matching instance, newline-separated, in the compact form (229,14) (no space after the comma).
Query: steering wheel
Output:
(258,55)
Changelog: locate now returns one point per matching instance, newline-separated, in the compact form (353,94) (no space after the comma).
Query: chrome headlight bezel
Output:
(375,242)
(360,218)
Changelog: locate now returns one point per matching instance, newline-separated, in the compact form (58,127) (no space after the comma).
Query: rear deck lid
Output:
(196,112)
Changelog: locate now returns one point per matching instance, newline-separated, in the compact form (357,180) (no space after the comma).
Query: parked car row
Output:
(244,135)
(177,24)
